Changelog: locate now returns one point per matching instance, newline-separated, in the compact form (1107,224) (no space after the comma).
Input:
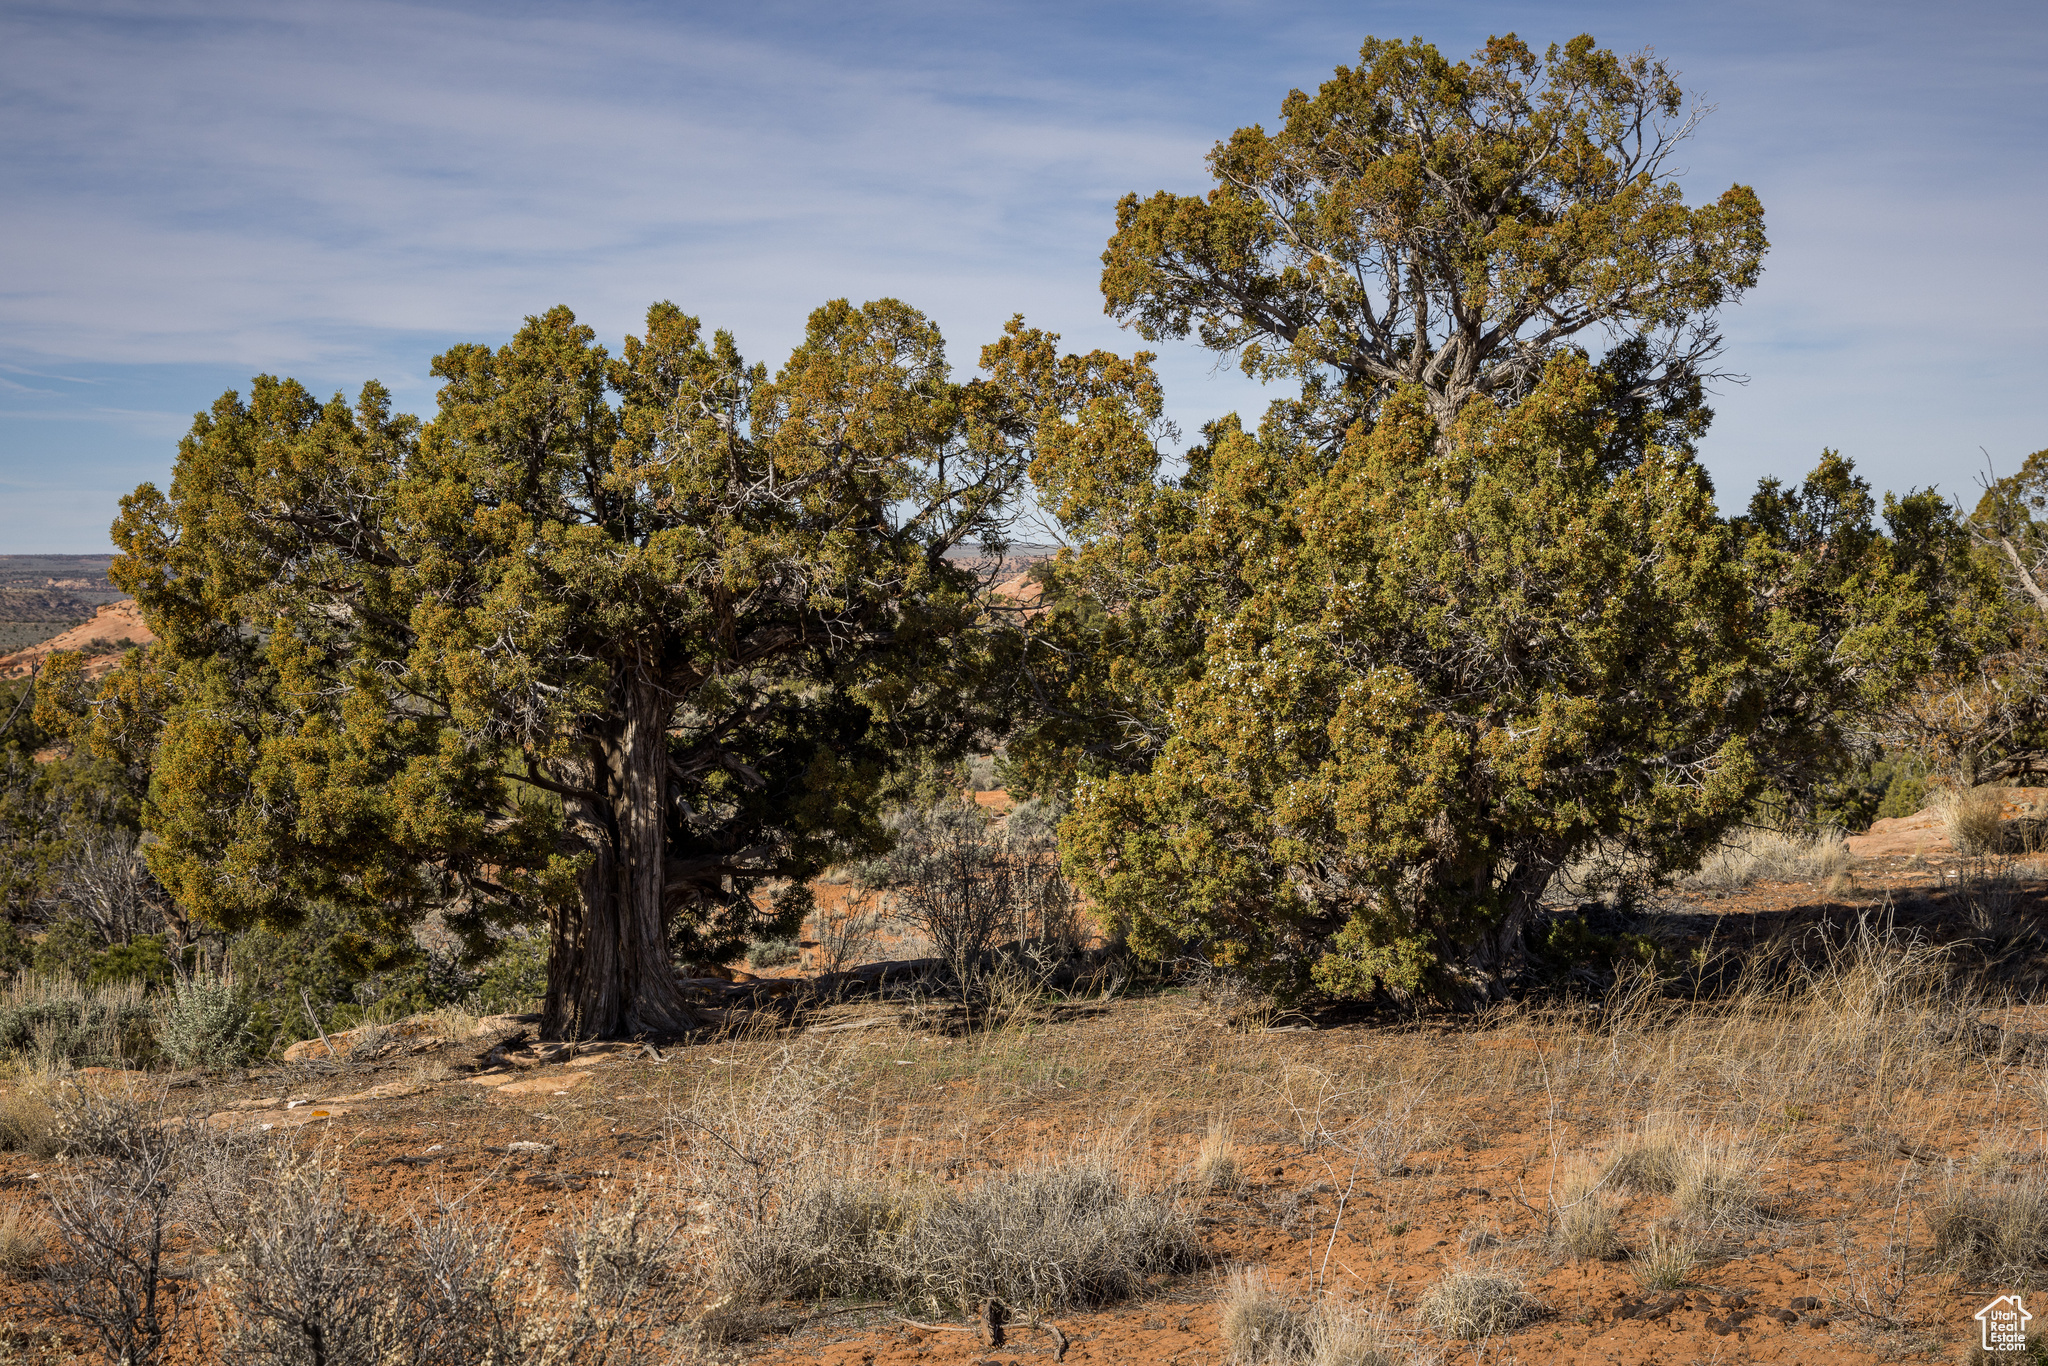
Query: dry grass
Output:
(1218,1162)
(1974,818)
(24,1240)
(1991,1230)
(1718,1180)
(28,1120)
(1264,1327)
(1585,1215)
(1477,1301)
(1261,1325)
(1751,855)
(1667,1262)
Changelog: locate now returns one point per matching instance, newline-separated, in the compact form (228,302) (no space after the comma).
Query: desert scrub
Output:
(1585,1217)
(1263,1327)
(54,1021)
(1993,1230)
(1477,1301)
(204,1022)
(771,953)
(1041,1239)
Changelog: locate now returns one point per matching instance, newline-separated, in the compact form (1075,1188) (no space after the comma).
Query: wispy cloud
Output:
(195,190)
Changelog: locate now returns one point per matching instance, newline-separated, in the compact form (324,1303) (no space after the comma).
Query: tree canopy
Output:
(611,641)
(1450,226)
(1340,723)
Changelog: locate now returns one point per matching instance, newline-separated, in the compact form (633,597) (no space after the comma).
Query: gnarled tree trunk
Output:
(609,973)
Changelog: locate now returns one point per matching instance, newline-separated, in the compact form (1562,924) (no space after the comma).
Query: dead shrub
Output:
(1992,1231)
(114,1214)
(1045,1239)
(318,1282)
(1477,1301)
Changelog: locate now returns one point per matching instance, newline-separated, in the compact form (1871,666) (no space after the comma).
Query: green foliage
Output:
(145,959)
(515,979)
(1340,724)
(327,955)
(771,953)
(607,644)
(1449,226)
(205,1021)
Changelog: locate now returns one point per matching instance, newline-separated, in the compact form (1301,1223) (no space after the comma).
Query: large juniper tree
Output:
(612,640)
(1451,225)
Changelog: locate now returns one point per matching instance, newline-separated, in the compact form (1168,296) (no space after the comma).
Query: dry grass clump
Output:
(24,1241)
(1668,1262)
(1718,1180)
(28,1122)
(1042,1239)
(1648,1159)
(1217,1168)
(1974,818)
(1477,1301)
(1585,1216)
(1263,1327)
(1751,855)
(1711,1178)
(1993,1231)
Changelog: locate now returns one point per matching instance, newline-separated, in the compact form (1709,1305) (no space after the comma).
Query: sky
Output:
(192,193)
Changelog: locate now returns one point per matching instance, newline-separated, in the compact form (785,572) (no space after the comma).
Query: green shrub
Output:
(771,953)
(516,979)
(204,1021)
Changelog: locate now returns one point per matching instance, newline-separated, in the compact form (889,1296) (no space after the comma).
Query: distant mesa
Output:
(115,627)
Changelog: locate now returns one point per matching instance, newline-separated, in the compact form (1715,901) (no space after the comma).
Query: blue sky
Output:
(191,193)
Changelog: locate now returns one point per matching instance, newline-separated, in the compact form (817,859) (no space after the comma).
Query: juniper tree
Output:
(611,640)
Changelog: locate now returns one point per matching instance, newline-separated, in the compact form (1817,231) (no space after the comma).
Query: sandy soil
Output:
(1378,1153)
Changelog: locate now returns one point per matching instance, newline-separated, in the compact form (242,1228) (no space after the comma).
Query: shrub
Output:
(771,953)
(204,1021)
(516,979)
(58,1021)
(1043,1239)
(1474,1302)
